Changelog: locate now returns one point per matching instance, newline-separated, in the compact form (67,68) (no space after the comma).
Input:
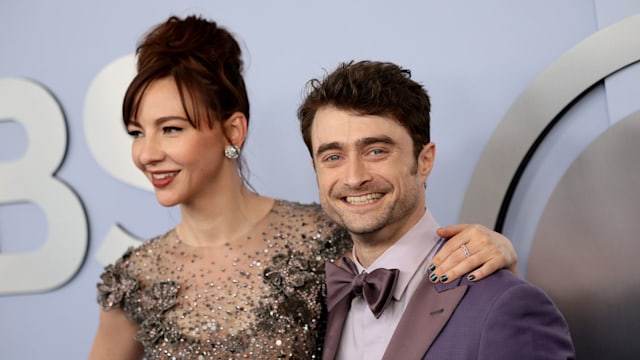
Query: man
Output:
(366,126)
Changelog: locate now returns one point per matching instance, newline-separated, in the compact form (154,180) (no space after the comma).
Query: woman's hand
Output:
(472,247)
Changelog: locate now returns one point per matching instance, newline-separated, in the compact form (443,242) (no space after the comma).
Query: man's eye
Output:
(377,151)
(332,158)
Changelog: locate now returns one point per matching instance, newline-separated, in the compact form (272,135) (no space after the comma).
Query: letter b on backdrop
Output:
(31,179)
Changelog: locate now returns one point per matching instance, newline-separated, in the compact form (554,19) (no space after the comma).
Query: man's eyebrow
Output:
(375,140)
(360,143)
(328,146)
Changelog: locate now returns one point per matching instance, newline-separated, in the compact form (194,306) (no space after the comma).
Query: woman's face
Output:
(182,162)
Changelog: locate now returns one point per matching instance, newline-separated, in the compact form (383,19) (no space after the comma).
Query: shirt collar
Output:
(408,253)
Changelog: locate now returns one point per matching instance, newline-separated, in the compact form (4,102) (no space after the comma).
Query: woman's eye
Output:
(135,133)
(171,129)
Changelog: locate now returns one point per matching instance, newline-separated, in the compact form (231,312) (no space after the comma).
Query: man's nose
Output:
(357,173)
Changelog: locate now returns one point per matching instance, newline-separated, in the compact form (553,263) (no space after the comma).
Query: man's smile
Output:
(363,199)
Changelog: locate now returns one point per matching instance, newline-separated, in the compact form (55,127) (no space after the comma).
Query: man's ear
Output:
(235,128)
(426,159)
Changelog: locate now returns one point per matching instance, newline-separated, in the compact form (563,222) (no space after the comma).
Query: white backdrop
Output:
(475,58)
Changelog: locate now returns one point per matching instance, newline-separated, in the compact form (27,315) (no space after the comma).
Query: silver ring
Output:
(465,250)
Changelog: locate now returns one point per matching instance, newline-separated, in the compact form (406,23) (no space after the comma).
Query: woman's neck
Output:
(224,219)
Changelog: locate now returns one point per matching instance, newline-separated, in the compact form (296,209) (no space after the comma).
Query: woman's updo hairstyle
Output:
(204,59)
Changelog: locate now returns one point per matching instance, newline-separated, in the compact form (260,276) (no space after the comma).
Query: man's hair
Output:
(370,88)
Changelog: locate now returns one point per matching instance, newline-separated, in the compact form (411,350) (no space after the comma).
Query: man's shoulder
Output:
(489,320)
(500,279)
(504,284)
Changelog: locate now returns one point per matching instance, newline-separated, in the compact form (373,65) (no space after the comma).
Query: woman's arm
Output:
(115,337)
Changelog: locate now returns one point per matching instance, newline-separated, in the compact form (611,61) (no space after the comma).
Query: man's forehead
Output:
(332,125)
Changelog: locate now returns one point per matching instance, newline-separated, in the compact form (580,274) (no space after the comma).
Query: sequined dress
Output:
(263,302)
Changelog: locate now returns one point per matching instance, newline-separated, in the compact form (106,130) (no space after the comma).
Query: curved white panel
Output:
(586,247)
(595,58)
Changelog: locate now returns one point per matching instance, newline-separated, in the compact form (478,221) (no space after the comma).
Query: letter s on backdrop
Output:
(110,144)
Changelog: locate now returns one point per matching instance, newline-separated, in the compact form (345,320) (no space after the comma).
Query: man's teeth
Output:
(364,199)
(163,175)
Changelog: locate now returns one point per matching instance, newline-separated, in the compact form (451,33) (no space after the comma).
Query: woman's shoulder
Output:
(147,248)
(296,206)
(303,216)
(124,277)
(326,238)
(307,211)
(137,258)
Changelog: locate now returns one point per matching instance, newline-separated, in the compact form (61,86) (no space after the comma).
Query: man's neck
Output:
(369,247)
(366,255)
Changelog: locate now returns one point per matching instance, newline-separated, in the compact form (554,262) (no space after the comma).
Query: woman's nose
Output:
(149,151)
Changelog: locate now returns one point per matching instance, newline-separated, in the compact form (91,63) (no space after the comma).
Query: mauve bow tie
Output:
(376,287)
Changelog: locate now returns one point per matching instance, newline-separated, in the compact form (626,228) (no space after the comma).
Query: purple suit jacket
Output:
(499,317)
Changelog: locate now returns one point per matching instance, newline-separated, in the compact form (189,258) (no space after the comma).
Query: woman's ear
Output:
(235,128)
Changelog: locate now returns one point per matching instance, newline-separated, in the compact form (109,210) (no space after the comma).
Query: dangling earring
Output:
(231,152)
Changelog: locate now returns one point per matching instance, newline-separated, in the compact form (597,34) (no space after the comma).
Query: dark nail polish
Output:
(433,277)
(444,278)
(471,277)
(432,267)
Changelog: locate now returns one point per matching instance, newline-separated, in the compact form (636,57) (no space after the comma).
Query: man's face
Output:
(368,177)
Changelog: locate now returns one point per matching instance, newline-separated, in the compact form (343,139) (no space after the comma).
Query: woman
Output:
(241,275)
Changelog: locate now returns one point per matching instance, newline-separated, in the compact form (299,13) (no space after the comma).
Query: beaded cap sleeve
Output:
(264,302)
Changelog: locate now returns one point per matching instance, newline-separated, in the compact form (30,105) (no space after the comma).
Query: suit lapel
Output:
(335,324)
(426,314)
